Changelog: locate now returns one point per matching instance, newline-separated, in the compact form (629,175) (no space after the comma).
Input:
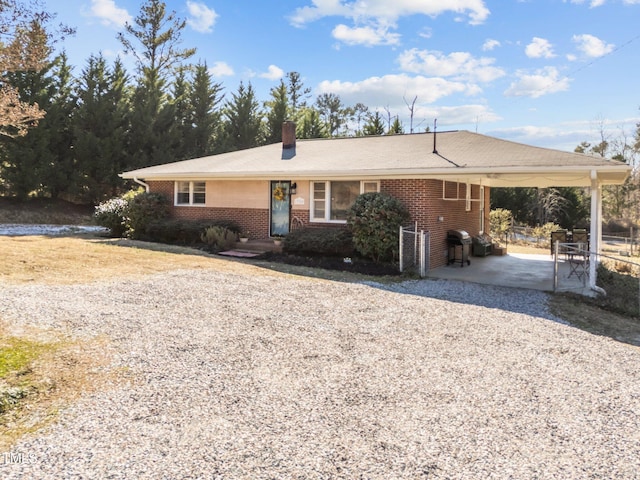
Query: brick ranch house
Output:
(443,179)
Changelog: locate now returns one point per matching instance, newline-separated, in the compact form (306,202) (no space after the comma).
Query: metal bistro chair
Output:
(559,236)
(578,254)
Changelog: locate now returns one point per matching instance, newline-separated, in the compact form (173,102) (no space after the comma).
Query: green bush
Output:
(184,232)
(218,238)
(500,221)
(622,289)
(145,208)
(544,232)
(375,220)
(319,241)
(112,214)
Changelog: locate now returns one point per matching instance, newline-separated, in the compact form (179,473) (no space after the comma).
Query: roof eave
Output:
(490,176)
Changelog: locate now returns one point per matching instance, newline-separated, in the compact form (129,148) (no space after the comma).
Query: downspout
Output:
(595,231)
(140,182)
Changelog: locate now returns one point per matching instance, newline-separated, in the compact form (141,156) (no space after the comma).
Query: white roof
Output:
(458,156)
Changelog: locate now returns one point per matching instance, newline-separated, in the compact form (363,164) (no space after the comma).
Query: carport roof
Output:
(459,156)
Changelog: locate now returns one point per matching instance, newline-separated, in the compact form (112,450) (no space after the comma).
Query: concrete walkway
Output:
(518,270)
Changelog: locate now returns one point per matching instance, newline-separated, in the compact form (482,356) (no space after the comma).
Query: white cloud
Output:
(382,90)
(373,19)
(592,46)
(593,3)
(389,93)
(221,69)
(367,36)
(490,44)
(109,13)
(542,82)
(459,65)
(273,73)
(201,18)
(427,32)
(539,48)
(384,11)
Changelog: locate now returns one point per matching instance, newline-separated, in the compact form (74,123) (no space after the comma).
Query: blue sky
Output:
(544,72)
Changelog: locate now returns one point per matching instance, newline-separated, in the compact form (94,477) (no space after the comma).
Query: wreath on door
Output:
(279,193)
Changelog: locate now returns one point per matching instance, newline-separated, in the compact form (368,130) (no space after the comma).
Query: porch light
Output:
(293,188)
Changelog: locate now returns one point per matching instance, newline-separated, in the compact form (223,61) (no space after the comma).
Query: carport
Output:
(519,270)
(516,165)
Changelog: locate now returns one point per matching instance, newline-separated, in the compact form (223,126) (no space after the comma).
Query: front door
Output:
(280,207)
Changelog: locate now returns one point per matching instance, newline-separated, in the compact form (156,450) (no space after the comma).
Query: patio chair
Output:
(581,238)
(578,260)
(559,236)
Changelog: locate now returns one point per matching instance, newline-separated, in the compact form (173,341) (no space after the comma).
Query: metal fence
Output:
(621,243)
(415,247)
(572,268)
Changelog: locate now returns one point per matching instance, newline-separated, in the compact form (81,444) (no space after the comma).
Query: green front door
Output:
(280,207)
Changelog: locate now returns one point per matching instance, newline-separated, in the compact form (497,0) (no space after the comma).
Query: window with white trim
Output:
(331,200)
(190,193)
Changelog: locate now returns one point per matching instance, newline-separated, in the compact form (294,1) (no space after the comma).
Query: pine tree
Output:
(278,112)
(310,124)
(100,125)
(374,125)
(396,127)
(152,140)
(332,112)
(243,128)
(182,128)
(59,174)
(297,93)
(206,118)
(24,157)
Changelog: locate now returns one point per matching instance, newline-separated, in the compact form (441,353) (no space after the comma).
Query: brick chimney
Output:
(288,140)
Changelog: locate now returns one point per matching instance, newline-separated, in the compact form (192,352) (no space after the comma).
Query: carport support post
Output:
(596,227)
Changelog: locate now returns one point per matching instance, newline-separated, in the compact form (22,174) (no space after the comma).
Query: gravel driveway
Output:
(253,374)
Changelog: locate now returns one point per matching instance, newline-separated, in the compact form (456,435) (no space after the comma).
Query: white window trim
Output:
(327,200)
(467,206)
(481,209)
(191,192)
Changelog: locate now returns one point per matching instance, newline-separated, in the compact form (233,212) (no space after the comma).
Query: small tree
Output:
(500,221)
(375,220)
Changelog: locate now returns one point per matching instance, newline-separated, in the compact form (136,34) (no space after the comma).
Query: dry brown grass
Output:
(583,314)
(63,370)
(67,260)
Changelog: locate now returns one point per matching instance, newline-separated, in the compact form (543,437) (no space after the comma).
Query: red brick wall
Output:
(252,220)
(423,198)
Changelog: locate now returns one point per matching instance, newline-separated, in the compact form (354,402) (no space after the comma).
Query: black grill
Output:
(458,241)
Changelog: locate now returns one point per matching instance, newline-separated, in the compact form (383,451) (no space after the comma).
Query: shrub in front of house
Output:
(218,239)
(185,232)
(319,241)
(375,220)
(144,209)
(111,214)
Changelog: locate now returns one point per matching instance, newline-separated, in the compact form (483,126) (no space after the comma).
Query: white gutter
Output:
(140,182)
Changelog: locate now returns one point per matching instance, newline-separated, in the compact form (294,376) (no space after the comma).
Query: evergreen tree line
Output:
(105,120)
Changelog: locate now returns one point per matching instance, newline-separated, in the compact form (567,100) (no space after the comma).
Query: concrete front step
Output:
(259,245)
